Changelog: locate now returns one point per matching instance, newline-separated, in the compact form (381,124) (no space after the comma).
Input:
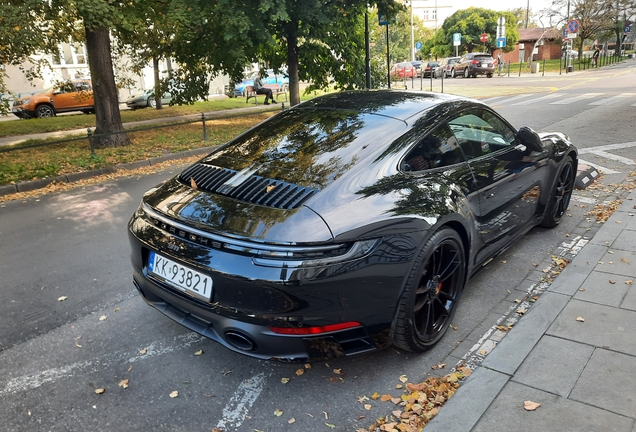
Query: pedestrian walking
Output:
(597,52)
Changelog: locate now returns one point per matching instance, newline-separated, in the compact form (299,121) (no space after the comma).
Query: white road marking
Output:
(539,99)
(514,98)
(239,404)
(35,380)
(599,167)
(489,100)
(582,199)
(613,99)
(601,151)
(568,101)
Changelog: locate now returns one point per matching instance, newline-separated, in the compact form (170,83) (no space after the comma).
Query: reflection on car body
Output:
(345,224)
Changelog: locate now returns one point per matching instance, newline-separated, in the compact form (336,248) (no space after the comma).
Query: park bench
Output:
(250,93)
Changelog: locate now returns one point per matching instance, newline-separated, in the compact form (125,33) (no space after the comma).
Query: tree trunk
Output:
(109,131)
(292,70)
(158,94)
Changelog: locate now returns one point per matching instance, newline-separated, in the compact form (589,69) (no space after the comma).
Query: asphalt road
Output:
(54,354)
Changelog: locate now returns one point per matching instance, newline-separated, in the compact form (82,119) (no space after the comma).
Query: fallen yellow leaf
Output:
(307,365)
(580,319)
(99,391)
(103,318)
(198,353)
(124,383)
(386,397)
(367,407)
(174,394)
(291,420)
(531,406)
(337,371)
(403,378)
(62,298)
(278,413)
(300,371)
(284,380)
(143,351)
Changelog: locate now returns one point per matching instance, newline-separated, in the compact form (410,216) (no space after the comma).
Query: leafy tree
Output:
(591,15)
(471,23)
(147,37)
(23,32)
(524,18)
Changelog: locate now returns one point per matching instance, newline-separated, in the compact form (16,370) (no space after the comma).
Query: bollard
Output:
(543,73)
(443,76)
(89,132)
(205,131)
(282,106)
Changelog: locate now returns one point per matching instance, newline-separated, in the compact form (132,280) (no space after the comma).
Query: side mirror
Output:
(530,139)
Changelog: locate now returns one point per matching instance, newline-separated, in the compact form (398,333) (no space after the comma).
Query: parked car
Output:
(63,97)
(345,224)
(146,98)
(417,64)
(402,70)
(473,64)
(447,67)
(573,54)
(429,68)
(268,78)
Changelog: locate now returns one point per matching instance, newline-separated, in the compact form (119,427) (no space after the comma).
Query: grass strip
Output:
(75,156)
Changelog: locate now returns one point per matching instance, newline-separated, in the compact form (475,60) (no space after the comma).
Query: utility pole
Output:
(412,33)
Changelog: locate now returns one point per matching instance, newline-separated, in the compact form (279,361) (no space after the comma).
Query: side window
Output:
(481,133)
(82,86)
(438,149)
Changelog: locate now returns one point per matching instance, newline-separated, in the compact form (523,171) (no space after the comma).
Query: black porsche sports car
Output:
(345,224)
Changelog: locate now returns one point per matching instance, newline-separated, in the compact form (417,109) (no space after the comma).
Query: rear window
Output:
(308,147)
(483,58)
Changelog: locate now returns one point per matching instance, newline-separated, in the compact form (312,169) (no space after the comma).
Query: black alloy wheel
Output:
(560,197)
(44,111)
(432,292)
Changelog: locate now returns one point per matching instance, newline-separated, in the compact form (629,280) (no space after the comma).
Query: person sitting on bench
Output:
(258,87)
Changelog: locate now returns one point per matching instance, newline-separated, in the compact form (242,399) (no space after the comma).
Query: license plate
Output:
(180,276)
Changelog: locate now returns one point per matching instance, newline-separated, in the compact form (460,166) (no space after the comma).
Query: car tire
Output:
(44,111)
(466,73)
(453,73)
(489,75)
(431,293)
(152,102)
(560,196)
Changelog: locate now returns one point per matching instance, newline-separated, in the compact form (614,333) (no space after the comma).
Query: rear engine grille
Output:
(256,189)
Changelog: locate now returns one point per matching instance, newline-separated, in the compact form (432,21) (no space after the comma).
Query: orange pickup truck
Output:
(63,97)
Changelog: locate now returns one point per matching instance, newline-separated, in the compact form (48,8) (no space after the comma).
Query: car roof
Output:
(400,105)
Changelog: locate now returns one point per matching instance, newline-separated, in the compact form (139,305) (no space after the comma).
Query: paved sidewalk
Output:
(574,352)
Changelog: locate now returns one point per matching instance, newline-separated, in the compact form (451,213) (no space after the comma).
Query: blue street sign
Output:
(418,45)
(565,32)
(628,27)
(384,21)
(501,42)
(457,39)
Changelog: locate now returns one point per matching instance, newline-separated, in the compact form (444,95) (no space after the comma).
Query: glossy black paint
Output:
(341,252)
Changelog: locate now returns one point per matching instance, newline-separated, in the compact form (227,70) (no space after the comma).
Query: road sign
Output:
(573,26)
(501,42)
(628,27)
(418,45)
(484,37)
(384,20)
(457,39)
(565,32)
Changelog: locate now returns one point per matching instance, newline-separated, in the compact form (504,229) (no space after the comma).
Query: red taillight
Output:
(474,62)
(316,329)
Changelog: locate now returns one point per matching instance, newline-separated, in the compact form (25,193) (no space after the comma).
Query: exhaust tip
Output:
(240,341)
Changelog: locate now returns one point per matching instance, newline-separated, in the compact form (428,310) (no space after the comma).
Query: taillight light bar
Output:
(299,331)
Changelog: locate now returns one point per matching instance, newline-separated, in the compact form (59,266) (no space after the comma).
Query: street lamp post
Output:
(412,34)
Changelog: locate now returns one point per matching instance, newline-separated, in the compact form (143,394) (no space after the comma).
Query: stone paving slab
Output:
(608,382)
(527,332)
(560,362)
(506,414)
(603,288)
(470,402)
(577,272)
(619,262)
(604,326)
